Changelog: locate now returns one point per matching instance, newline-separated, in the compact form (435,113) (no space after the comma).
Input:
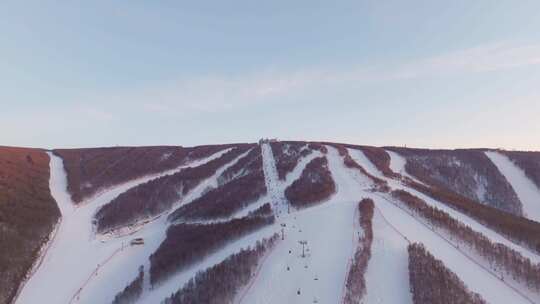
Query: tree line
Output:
(314,185)
(225,200)
(241,184)
(93,169)
(356,281)
(287,154)
(379,158)
(221,283)
(349,162)
(157,195)
(464,171)
(133,291)
(264,210)
(247,164)
(517,228)
(529,162)
(28,214)
(186,244)
(497,255)
(432,283)
(318,147)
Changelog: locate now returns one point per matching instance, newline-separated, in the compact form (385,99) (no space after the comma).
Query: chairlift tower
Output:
(303,243)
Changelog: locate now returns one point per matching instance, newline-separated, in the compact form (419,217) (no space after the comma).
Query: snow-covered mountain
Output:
(273,222)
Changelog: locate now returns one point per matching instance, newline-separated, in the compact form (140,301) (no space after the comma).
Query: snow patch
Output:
(481,185)
(398,163)
(528,193)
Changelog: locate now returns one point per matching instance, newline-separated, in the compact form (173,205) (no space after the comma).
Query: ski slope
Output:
(388,267)
(475,277)
(271,177)
(119,272)
(81,267)
(465,219)
(397,164)
(75,252)
(328,229)
(275,194)
(493,236)
(276,187)
(162,291)
(527,191)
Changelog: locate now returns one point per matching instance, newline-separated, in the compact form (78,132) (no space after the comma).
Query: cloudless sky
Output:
(418,73)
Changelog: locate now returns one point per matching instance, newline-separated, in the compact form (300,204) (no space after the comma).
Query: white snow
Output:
(481,184)
(493,236)
(398,163)
(74,255)
(165,156)
(297,171)
(327,228)
(121,271)
(275,194)
(361,159)
(527,192)
(476,278)
(387,275)
(238,214)
(275,186)
(472,223)
(271,177)
(177,281)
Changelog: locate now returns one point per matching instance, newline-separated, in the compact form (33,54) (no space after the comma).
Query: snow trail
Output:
(58,185)
(156,235)
(475,277)
(297,171)
(120,271)
(177,281)
(514,288)
(139,180)
(75,252)
(398,163)
(275,193)
(271,176)
(465,219)
(389,247)
(286,276)
(388,266)
(275,186)
(528,193)
(241,295)
(518,288)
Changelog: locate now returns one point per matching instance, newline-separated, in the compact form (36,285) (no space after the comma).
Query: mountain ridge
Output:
(359,172)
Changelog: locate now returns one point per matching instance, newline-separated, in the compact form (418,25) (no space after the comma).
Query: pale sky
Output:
(440,74)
